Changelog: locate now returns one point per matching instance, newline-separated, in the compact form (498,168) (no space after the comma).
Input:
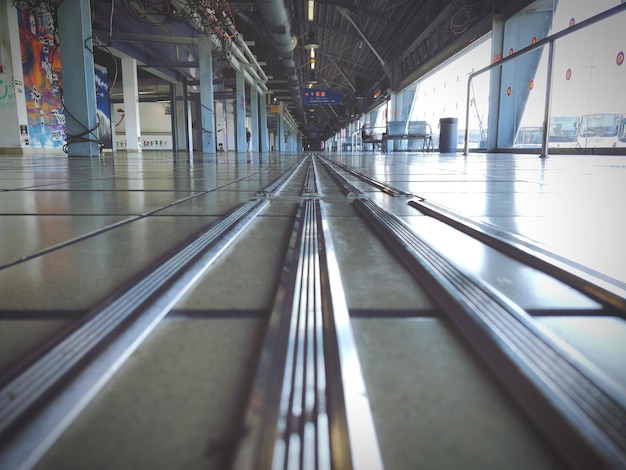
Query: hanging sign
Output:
(316,96)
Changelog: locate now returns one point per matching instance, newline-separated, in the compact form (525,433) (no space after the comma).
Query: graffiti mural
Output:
(41,62)
(104,109)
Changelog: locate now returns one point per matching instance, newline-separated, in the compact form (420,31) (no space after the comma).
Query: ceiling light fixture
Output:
(311,41)
(311,10)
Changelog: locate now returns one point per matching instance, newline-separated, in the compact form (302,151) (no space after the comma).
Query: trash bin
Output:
(448,130)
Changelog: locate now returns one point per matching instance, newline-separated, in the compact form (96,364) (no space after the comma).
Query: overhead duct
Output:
(278,23)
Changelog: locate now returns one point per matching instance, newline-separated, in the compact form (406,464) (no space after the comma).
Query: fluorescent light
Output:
(311,12)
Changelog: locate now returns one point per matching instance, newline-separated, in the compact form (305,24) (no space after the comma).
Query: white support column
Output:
(497,48)
(131,104)
(182,108)
(392,115)
(207,96)
(263,125)
(240,99)
(254,111)
(13,115)
(280,132)
(79,99)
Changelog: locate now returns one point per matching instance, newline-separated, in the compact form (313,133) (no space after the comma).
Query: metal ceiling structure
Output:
(364,47)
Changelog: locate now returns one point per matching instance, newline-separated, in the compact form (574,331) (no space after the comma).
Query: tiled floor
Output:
(72,230)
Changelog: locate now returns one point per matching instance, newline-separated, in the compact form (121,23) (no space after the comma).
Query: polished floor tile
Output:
(74,230)
(437,407)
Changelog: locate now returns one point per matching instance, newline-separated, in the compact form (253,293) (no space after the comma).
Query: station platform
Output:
(77,234)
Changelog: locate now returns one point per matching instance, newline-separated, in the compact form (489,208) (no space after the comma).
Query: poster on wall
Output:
(105,135)
(41,63)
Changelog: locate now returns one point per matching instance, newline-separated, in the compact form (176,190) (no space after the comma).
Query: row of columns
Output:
(194,115)
(78,63)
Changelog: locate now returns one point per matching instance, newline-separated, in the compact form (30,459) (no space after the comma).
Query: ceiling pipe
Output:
(278,23)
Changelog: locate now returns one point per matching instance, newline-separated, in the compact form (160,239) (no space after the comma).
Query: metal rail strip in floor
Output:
(579,410)
(38,405)
(274,188)
(308,406)
(310,180)
(596,285)
(40,401)
(347,188)
(384,187)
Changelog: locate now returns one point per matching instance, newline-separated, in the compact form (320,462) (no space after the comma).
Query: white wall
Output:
(156,125)
(12,100)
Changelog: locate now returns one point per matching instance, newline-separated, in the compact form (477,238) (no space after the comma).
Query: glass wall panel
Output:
(587,109)
(588,104)
(443,93)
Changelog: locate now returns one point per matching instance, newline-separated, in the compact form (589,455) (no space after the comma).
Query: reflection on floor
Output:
(74,230)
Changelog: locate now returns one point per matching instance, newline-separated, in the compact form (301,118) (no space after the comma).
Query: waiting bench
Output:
(370,139)
(400,130)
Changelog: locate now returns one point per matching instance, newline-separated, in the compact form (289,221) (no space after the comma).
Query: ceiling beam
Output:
(141,38)
(172,64)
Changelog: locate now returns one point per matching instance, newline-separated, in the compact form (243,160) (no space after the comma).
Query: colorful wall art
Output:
(41,62)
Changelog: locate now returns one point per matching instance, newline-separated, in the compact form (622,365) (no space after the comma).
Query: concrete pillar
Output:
(254,112)
(263,123)
(395,110)
(231,122)
(497,45)
(81,119)
(240,99)
(207,96)
(280,132)
(221,125)
(182,111)
(516,75)
(131,104)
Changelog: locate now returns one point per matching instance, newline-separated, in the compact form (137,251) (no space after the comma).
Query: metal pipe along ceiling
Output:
(277,20)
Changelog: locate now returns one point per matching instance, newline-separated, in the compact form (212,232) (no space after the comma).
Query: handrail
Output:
(540,43)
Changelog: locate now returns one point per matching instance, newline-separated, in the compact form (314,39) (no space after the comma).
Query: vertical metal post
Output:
(545,139)
(467,112)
